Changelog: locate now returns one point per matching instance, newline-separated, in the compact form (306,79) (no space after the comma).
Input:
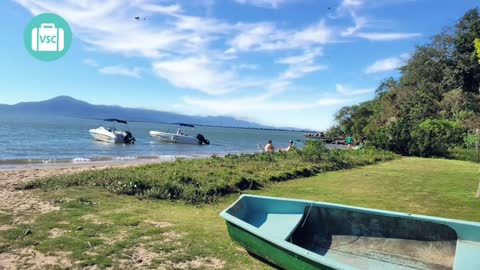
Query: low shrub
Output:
(206,180)
(460,153)
(313,151)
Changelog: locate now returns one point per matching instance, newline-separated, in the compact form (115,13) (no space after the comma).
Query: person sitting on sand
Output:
(288,149)
(269,148)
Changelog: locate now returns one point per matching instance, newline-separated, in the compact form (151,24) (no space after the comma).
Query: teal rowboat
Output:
(297,234)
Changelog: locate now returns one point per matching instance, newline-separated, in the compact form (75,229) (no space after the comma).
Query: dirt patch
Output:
(32,259)
(171,235)
(55,233)
(5,227)
(110,240)
(94,219)
(90,267)
(201,263)
(160,224)
(141,258)
(23,205)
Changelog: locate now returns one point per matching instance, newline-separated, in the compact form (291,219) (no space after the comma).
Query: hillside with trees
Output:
(433,108)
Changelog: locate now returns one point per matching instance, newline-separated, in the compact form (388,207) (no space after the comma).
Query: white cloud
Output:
(267,37)
(110,26)
(121,70)
(306,58)
(351,3)
(359,23)
(201,73)
(202,53)
(90,62)
(167,9)
(298,71)
(348,91)
(376,36)
(245,66)
(263,3)
(352,7)
(300,65)
(114,69)
(179,46)
(258,104)
(387,64)
(348,7)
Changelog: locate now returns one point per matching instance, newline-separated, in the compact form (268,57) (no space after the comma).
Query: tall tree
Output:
(468,67)
(477,46)
(438,91)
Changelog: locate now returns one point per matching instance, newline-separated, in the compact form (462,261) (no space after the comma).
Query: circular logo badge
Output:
(47,37)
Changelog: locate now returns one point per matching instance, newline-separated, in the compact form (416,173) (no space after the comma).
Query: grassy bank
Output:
(208,179)
(95,227)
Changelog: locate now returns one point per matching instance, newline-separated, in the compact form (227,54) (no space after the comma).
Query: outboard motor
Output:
(129,138)
(201,139)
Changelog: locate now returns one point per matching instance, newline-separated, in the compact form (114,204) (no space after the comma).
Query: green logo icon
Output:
(47,37)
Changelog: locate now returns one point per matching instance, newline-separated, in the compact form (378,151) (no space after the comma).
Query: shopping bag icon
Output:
(48,38)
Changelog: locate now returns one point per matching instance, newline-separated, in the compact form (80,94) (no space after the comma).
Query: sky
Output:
(288,63)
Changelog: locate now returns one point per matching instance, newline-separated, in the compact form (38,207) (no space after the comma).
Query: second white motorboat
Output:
(112,134)
(181,136)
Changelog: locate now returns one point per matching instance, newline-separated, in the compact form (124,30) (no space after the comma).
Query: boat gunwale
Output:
(316,257)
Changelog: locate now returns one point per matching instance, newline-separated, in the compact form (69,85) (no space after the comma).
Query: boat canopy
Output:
(186,125)
(115,120)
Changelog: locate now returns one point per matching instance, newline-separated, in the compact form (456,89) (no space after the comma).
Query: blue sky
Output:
(276,62)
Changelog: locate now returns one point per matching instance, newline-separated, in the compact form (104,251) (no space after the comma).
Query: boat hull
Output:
(272,253)
(100,134)
(297,234)
(173,138)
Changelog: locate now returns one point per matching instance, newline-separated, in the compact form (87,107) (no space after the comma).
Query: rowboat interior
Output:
(364,240)
(355,238)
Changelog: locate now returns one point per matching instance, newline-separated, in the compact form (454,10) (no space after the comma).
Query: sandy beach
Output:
(23,205)
(15,202)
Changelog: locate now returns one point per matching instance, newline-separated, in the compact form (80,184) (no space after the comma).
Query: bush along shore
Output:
(205,180)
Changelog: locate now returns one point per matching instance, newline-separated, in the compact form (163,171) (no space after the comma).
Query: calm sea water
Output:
(52,140)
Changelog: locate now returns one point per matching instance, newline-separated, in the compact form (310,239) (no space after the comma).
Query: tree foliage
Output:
(433,137)
(435,98)
(477,46)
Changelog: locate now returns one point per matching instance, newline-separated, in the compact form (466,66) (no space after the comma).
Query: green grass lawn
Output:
(96,227)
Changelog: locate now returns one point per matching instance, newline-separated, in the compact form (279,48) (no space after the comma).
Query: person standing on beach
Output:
(269,148)
(349,142)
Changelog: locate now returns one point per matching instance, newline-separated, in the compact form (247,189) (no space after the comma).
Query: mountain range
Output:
(71,107)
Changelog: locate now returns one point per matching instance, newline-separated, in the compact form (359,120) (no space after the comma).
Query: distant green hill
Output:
(70,107)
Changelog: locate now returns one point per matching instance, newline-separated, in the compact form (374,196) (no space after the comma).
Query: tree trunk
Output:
(478,191)
(478,145)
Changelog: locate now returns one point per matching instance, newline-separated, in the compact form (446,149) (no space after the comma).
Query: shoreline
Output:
(39,163)
(59,162)
(86,163)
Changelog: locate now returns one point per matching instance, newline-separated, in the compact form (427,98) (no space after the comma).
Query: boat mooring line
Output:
(308,213)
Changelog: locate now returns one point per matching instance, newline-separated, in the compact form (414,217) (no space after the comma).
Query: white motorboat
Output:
(112,134)
(181,136)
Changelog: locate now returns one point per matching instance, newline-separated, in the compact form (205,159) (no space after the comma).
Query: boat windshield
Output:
(111,126)
(183,132)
